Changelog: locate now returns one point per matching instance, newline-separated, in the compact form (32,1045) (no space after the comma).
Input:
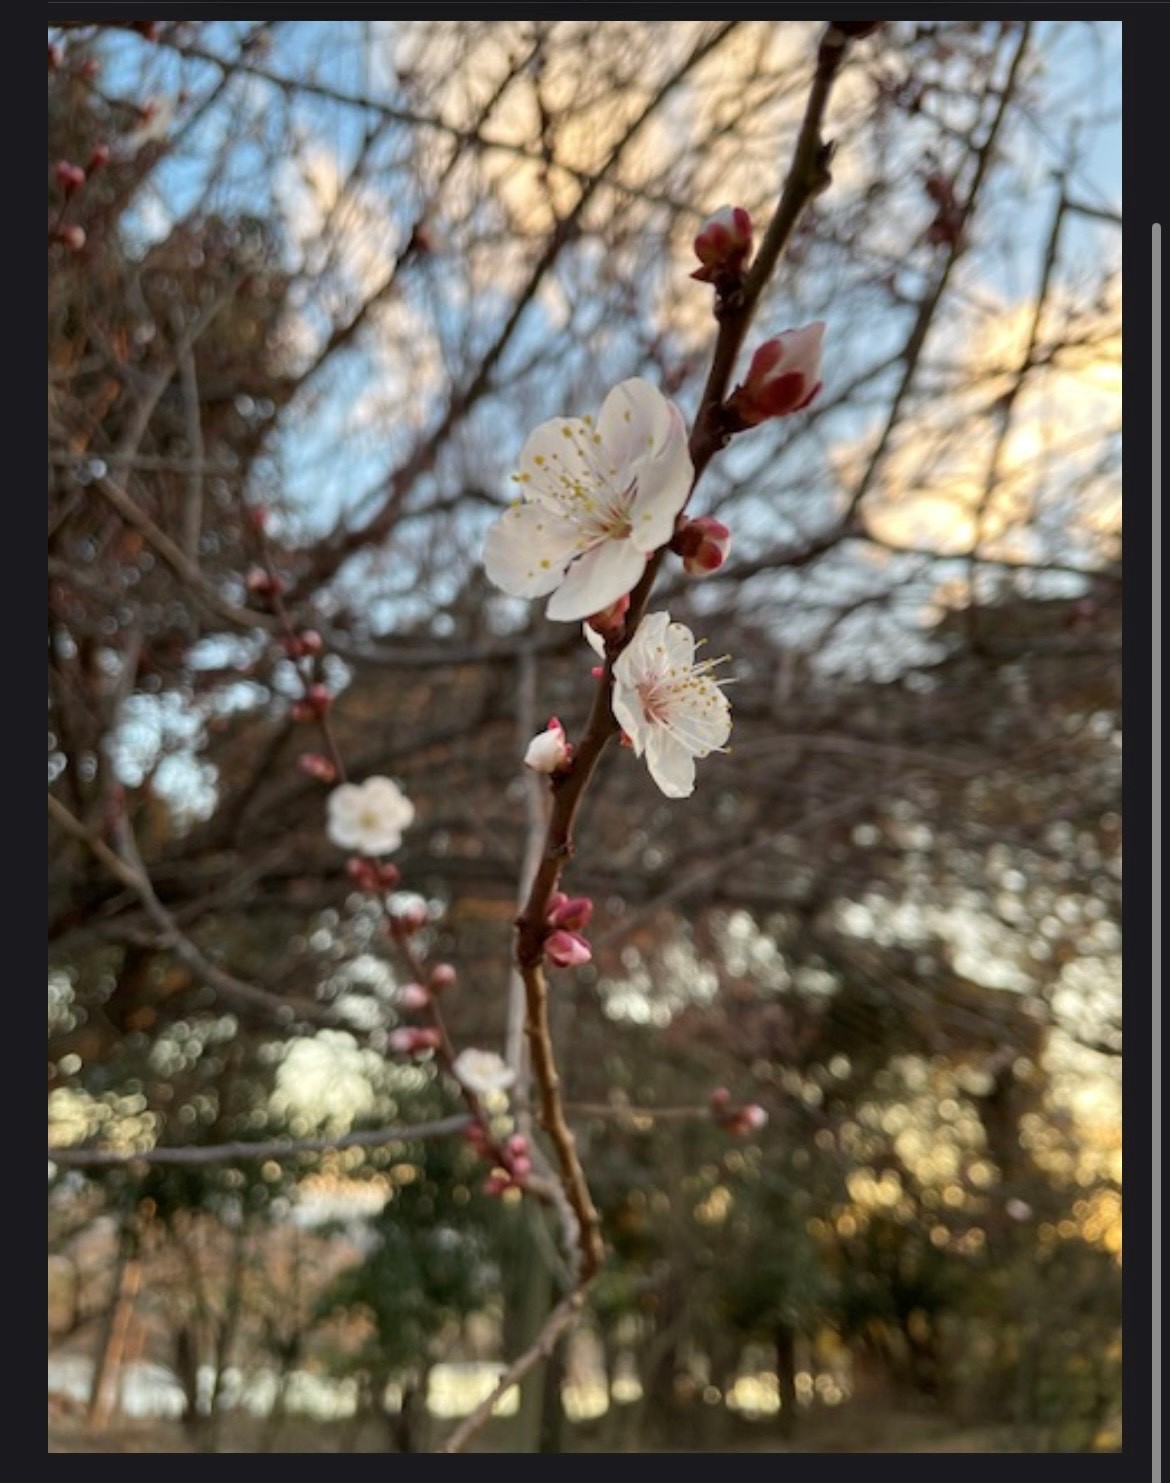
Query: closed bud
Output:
(724,245)
(56,56)
(409,920)
(443,976)
(412,1041)
(69,177)
(567,949)
(311,642)
(517,1146)
(784,376)
(496,1183)
(319,699)
(720,1099)
(71,236)
(570,912)
(549,751)
(521,1167)
(317,765)
(703,545)
(611,620)
(363,873)
(261,583)
(99,157)
(413,998)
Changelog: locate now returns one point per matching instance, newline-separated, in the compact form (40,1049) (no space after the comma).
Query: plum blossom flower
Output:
(482,1071)
(671,708)
(598,500)
(784,376)
(369,816)
(549,751)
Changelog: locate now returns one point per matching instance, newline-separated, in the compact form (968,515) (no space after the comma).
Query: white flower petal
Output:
(528,549)
(594,639)
(634,421)
(597,579)
(663,484)
(671,765)
(558,462)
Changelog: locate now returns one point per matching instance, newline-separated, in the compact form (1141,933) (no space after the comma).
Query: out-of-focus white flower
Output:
(482,1071)
(598,500)
(369,816)
(548,751)
(671,708)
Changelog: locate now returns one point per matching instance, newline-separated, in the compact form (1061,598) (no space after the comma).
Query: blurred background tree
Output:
(324,277)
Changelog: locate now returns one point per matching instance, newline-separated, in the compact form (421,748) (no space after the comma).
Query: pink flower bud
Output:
(317,765)
(413,998)
(363,873)
(496,1183)
(89,69)
(71,235)
(784,376)
(521,1167)
(517,1146)
(612,619)
(409,920)
(411,1041)
(567,949)
(597,671)
(724,245)
(99,157)
(261,583)
(319,699)
(549,751)
(754,1116)
(389,876)
(69,178)
(572,912)
(719,1099)
(56,56)
(311,641)
(443,976)
(703,545)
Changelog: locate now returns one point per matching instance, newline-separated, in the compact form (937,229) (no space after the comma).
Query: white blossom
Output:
(370,816)
(483,1071)
(597,502)
(671,708)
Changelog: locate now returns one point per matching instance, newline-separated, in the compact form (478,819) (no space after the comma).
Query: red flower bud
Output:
(612,619)
(261,583)
(89,69)
(311,641)
(784,376)
(317,765)
(443,976)
(720,1099)
(69,177)
(521,1168)
(496,1183)
(724,245)
(703,545)
(319,699)
(99,157)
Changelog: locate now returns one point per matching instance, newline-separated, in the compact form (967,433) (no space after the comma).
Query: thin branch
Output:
(562,1316)
(241,1152)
